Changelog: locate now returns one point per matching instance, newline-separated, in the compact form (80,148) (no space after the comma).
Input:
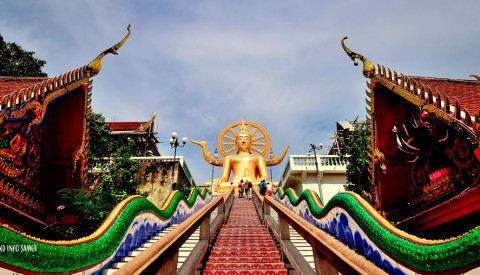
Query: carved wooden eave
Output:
(450,103)
(448,110)
(38,96)
(30,106)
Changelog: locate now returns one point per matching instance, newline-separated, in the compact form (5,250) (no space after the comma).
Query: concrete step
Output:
(300,243)
(109,271)
(245,271)
(243,265)
(184,250)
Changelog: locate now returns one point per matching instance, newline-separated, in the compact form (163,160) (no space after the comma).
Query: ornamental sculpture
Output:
(243,145)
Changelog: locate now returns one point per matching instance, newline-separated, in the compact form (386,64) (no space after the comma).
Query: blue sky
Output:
(202,65)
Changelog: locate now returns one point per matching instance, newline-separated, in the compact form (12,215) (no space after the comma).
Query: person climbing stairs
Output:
(244,245)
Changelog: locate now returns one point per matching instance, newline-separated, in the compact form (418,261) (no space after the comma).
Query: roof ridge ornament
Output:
(96,65)
(368,68)
(476,77)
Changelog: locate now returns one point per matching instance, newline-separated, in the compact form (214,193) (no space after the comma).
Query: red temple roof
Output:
(141,132)
(133,126)
(10,84)
(466,91)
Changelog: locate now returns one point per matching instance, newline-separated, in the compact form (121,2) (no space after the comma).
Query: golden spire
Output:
(368,68)
(96,65)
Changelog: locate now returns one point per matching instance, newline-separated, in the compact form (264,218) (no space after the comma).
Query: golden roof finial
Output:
(368,68)
(476,77)
(96,65)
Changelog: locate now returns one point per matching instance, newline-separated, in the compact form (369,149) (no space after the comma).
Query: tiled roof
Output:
(132,126)
(125,126)
(454,98)
(10,84)
(466,91)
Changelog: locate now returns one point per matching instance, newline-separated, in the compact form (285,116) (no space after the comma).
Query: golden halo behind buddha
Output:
(260,138)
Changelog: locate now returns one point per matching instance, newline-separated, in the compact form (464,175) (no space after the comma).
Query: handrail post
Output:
(283,228)
(257,201)
(222,207)
(205,228)
(230,198)
(169,266)
(322,264)
(266,210)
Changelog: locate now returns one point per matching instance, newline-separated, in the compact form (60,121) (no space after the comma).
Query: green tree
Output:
(102,145)
(15,61)
(110,185)
(123,170)
(356,150)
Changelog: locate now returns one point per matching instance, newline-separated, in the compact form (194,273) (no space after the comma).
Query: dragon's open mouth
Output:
(441,164)
(11,162)
(440,179)
(11,168)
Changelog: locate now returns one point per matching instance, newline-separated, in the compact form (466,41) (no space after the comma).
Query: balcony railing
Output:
(326,164)
(323,161)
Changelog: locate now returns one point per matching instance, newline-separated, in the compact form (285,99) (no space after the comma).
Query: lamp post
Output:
(314,148)
(271,157)
(215,156)
(174,144)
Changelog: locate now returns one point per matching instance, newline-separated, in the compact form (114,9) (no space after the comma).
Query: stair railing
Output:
(229,201)
(330,255)
(258,202)
(162,256)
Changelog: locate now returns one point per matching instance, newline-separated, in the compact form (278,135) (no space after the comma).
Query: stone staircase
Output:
(183,253)
(244,245)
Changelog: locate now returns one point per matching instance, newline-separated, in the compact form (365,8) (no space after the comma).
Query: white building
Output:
(300,173)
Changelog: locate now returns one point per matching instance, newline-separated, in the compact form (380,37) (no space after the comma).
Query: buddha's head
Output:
(244,139)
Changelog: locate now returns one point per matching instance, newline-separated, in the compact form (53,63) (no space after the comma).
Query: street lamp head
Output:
(174,135)
(171,140)
(184,140)
(314,147)
(308,154)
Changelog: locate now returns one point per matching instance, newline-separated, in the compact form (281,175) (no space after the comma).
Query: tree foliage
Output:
(108,186)
(15,61)
(103,144)
(357,150)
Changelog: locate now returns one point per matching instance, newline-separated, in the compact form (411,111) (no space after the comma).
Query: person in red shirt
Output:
(240,189)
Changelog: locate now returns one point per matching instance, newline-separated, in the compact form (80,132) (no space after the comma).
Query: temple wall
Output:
(157,180)
(331,185)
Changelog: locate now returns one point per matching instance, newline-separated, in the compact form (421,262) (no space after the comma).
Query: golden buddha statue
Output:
(245,165)
(245,139)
